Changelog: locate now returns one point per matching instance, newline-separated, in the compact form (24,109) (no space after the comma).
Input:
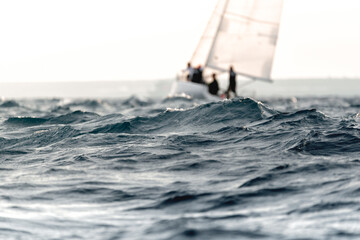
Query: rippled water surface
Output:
(179,168)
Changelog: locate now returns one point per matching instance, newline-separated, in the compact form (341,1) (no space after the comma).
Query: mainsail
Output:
(242,34)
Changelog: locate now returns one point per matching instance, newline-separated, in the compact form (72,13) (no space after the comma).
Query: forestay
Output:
(241,33)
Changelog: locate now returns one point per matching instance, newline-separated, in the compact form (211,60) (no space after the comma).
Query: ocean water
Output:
(140,167)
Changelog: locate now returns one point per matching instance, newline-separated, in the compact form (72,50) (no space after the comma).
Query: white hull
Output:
(194,90)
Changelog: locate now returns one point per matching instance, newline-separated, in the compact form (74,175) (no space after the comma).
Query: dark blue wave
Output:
(328,143)
(86,103)
(302,118)
(203,117)
(325,206)
(9,104)
(124,127)
(37,139)
(25,121)
(73,117)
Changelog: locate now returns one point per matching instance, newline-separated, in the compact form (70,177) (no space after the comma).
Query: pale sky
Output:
(93,40)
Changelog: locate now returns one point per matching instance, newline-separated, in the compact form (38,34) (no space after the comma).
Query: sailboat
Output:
(241,34)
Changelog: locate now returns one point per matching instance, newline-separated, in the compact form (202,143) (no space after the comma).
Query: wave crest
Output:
(207,116)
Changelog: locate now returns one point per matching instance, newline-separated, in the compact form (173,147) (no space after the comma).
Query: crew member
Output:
(198,76)
(190,72)
(232,82)
(213,86)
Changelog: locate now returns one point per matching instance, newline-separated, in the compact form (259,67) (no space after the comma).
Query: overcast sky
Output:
(91,40)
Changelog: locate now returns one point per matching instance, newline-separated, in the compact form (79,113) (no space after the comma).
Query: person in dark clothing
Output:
(214,86)
(232,82)
(197,75)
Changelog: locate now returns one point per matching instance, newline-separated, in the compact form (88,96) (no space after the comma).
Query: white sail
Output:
(241,33)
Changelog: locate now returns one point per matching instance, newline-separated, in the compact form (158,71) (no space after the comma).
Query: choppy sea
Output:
(139,167)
